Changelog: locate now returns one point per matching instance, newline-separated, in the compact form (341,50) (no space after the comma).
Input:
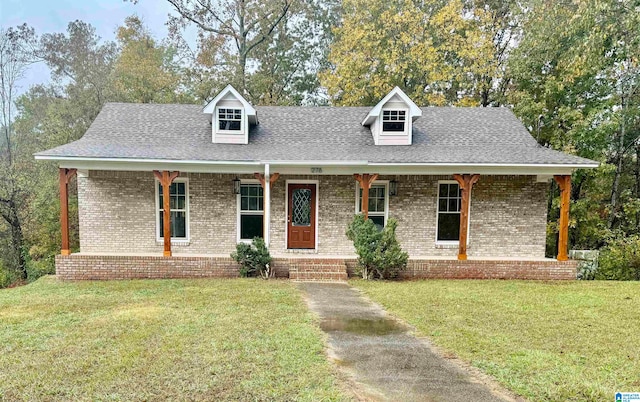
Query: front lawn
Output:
(159,340)
(556,341)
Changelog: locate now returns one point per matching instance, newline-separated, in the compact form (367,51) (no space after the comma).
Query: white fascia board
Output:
(424,169)
(414,110)
(249,109)
(485,168)
(305,167)
(139,160)
(554,165)
(155,164)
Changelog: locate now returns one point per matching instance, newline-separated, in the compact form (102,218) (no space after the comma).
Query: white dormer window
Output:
(229,119)
(393,120)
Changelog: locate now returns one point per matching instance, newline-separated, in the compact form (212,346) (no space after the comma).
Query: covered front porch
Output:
(135,221)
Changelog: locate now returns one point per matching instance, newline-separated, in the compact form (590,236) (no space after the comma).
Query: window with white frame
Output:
(393,120)
(229,119)
(378,203)
(179,209)
(250,211)
(449,200)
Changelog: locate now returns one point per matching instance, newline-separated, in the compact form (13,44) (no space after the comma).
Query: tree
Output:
(44,117)
(17,47)
(575,85)
(440,52)
(269,50)
(235,27)
(144,71)
(80,63)
(287,65)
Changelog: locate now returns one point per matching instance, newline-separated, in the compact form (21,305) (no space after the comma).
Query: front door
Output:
(301,222)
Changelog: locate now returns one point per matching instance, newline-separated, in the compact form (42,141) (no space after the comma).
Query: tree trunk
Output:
(615,189)
(636,189)
(241,71)
(17,238)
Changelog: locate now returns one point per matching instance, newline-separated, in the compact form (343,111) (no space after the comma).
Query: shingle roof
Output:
(183,132)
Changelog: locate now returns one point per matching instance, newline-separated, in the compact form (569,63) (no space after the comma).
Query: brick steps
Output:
(318,271)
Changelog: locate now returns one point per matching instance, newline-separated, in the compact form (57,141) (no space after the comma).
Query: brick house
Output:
(169,190)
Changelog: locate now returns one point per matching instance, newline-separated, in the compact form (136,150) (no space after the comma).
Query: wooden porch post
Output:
(65,175)
(263,178)
(466,182)
(166,178)
(365,181)
(564,182)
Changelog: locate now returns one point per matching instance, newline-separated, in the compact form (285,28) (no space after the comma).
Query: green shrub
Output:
(379,253)
(6,277)
(620,260)
(254,258)
(38,268)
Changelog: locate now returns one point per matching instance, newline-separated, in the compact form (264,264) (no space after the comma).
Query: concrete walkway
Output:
(382,356)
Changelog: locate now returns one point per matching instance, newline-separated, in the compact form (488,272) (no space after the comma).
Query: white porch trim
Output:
(314,167)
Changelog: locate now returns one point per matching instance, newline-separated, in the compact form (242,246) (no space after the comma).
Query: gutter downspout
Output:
(267,206)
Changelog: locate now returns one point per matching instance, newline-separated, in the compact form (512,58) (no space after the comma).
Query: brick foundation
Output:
(97,267)
(491,269)
(103,267)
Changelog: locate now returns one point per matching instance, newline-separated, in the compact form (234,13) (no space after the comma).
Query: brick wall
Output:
(117,214)
(490,269)
(101,267)
(483,269)
(336,207)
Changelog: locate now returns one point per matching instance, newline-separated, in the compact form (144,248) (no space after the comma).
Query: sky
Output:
(48,16)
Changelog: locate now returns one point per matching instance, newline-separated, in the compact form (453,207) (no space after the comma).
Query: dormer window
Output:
(393,120)
(229,119)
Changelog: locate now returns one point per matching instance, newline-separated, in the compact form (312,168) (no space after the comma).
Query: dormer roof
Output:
(249,110)
(414,110)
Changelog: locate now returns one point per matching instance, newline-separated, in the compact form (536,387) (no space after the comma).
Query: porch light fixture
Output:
(236,186)
(393,187)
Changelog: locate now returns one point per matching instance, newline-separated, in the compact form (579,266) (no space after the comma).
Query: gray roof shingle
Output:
(183,132)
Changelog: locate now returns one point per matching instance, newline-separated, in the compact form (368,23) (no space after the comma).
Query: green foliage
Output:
(270,50)
(587,270)
(39,268)
(7,277)
(575,81)
(379,253)
(254,258)
(620,260)
(144,71)
(439,53)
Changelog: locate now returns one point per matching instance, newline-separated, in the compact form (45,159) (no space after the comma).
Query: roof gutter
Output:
(313,163)
(139,160)
(312,167)
(558,165)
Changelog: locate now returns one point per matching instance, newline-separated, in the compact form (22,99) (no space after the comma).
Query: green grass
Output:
(159,340)
(576,341)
